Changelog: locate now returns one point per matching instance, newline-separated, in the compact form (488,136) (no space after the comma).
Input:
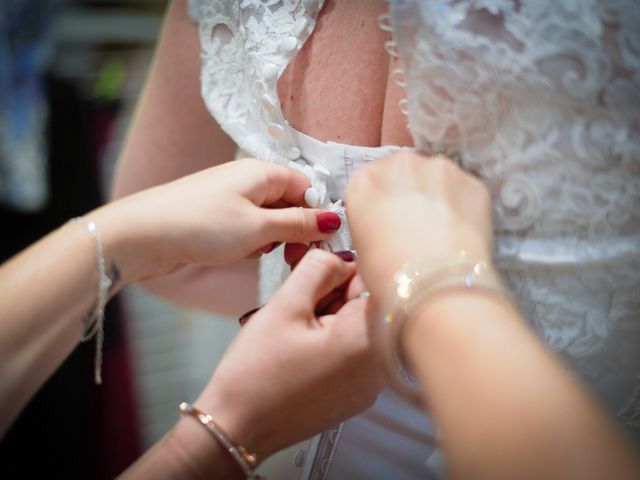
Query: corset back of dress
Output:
(541,99)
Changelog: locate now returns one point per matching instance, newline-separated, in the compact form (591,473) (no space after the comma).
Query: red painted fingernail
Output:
(294,252)
(245,316)
(346,255)
(328,222)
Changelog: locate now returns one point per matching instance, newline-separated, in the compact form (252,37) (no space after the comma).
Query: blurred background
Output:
(70,74)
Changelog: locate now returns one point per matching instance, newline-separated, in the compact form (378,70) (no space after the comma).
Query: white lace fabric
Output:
(246,45)
(541,99)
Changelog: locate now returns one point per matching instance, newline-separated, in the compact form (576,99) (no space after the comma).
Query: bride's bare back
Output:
(338,88)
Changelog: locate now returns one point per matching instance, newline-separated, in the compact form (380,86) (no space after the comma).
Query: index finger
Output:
(318,274)
(279,184)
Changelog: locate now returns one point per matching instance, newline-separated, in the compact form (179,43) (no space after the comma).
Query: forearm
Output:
(187,451)
(258,401)
(505,406)
(172,133)
(47,291)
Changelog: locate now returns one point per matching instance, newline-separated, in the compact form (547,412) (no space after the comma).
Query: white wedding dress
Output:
(541,99)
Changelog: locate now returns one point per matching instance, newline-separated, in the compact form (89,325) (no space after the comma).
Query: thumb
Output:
(300,225)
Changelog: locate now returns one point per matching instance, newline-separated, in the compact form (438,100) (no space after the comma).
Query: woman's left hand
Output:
(301,364)
(214,217)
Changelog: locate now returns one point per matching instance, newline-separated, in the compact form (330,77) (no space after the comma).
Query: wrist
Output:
(206,441)
(121,243)
(451,313)
(382,273)
(238,420)
(416,286)
(195,451)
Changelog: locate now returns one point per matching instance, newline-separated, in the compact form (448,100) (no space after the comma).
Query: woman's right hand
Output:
(211,218)
(302,363)
(411,208)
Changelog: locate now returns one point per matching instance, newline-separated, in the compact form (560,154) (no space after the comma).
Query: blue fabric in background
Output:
(26,45)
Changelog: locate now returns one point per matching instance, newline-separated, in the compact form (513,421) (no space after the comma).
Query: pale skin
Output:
(361,113)
(334,89)
(505,406)
(173,135)
(223,214)
(492,360)
(279,403)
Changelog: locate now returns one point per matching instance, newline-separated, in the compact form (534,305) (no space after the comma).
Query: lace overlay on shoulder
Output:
(246,45)
(542,100)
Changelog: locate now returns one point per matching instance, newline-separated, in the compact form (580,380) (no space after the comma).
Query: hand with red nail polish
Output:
(294,252)
(218,216)
(290,361)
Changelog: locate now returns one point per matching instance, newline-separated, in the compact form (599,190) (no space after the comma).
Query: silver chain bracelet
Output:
(94,321)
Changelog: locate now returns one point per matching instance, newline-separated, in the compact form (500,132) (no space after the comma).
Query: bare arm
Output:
(44,294)
(48,289)
(506,407)
(173,135)
(257,397)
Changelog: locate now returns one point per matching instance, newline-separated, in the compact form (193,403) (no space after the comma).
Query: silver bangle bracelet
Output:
(413,286)
(94,321)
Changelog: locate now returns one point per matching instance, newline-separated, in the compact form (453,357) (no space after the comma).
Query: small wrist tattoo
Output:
(115,277)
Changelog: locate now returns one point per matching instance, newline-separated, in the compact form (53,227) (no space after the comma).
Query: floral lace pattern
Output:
(542,100)
(246,45)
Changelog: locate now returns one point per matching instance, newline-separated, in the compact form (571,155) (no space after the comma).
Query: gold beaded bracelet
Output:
(413,285)
(247,461)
